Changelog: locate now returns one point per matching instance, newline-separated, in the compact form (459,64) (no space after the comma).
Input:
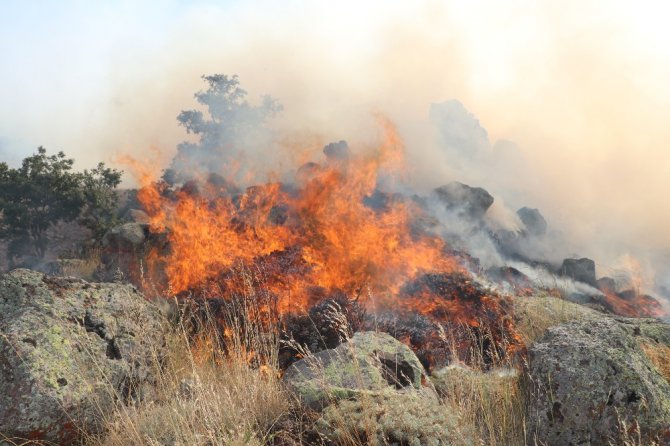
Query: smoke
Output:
(560,107)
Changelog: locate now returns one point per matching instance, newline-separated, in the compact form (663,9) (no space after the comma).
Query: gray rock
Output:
(466,201)
(369,363)
(69,351)
(606,284)
(123,253)
(337,151)
(533,221)
(589,378)
(139,216)
(126,237)
(582,270)
(393,419)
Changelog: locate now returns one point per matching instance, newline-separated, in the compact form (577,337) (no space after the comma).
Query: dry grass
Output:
(202,403)
(84,268)
(487,394)
(535,314)
(223,387)
(493,403)
(659,355)
(216,387)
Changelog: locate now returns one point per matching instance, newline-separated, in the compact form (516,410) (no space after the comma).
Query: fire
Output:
(344,243)
(632,303)
(332,231)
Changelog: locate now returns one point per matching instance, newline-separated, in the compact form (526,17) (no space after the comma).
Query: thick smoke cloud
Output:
(557,106)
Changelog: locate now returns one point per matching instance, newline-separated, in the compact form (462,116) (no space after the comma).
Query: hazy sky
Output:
(580,86)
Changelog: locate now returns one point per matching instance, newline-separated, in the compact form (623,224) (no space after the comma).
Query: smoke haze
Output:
(561,106)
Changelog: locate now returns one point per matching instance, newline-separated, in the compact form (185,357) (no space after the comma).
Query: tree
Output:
(230,126)
(101,201)
(45,191)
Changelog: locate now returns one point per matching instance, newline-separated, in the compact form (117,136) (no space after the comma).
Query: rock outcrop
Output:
(369,363)
(593,383)
(373,389)
(70,351)
(463,200)
(582,270)
(533,220)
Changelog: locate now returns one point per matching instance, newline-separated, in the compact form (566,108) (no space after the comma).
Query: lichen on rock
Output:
(590,378)
(69,351)
(369,363)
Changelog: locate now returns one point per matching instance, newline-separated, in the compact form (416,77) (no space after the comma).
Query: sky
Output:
(580,87)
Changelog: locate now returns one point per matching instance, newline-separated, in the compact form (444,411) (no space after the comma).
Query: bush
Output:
(45,191)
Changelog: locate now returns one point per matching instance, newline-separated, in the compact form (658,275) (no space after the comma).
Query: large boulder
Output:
(369,363)
(69,351)
(581,270)
(126,237)
(337,151)
(593,384)
(125,251)
(392,419)
(533,220)
(465,201)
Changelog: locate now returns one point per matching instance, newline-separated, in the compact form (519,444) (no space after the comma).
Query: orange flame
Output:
(330,233)
(344,243)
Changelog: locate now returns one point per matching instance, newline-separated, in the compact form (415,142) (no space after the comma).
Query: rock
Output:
(369,363)
(466,201)
(590,378)
(124,252)
(337,151)
(606,285)
(510,275)
(69,351)
(139,216)
(392,419)
(582,270)
(533,221)
(581,298)
(126,237)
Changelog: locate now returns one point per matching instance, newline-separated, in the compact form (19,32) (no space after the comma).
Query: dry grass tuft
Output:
(659,355)
(216,387)
(202,403)
(534,315)
(81,266)
(487,393)
(223,387)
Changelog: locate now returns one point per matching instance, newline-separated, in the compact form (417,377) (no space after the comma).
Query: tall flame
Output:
(344,243)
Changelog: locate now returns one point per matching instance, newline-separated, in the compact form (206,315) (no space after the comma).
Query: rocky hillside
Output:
(79,359)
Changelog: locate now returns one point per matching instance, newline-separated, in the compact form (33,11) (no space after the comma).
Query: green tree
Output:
(101,200)
(44,191)
(228,127)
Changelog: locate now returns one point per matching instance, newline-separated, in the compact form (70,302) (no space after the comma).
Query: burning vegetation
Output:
(327,237)
(334,248)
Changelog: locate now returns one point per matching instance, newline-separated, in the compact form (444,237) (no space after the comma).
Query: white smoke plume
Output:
(557,106)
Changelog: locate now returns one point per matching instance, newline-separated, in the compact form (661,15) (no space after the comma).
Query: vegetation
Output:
(231,126)
(45,191)
(211,394)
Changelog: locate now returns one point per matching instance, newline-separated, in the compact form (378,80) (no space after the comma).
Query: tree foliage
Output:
(44,191)
(229,126)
